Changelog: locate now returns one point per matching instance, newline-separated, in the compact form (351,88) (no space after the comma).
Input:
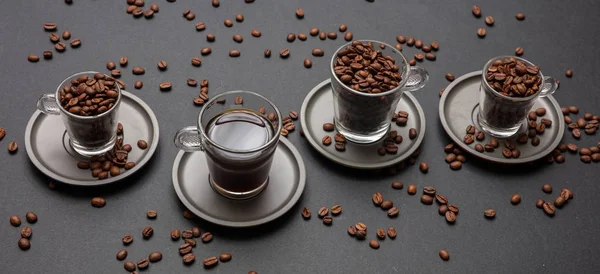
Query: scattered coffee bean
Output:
(397,185)
(576,133)
(380,233)
(185,249)
(127,239)
(412,189)
(515,199)
(374,244)
(33,58)
(348,36)
(391,232)
(323,211)
(291,37)
(336,210)
(424,167)
(188,258)
(225,257)
(122,254)
(489,213)
(351,230)
(210,262)
(98,202)
(327,220)
(187,234)
(234,53)
(426,199)
(26,232)
(559,201)
(412,133)
(24,244)
(143,264)
(393,212)
(15,220)
(410,41)
(154,257)
(481,32)
(206,237)
(75,43)
(31,217)
(539,203)
(566,193)
(147,232)
(443,253)
(377,198)
(450,216)
(322,35)
(361,227)
(332,35)
(476,11)
(307,63)
(449,76)
(387,204)
(205,51)
(520,16)
(548,208)
(60,46)
(489,20)
(284,53)
(306,213)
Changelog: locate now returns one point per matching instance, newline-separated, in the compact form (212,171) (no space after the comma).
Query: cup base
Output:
(237,195)
(89,152)
(360,138)
(495,131)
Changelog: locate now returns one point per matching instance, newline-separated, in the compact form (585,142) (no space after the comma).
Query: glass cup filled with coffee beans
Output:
(509,88)
(88,104)
(238,132)
(368,79)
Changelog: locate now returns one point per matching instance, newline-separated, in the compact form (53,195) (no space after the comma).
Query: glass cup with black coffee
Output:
(509,88)
(368,79)
(238,132)
(88,104)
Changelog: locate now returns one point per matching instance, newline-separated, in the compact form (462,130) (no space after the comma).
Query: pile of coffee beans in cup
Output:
(26,232)
(89,96)
(363,68)
(513,78)
(113,160)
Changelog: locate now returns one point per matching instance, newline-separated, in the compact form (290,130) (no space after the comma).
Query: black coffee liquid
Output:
(239,130)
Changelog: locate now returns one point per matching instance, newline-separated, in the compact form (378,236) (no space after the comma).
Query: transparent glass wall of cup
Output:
(501,115)
(365,117)
(89,135)
(239,161)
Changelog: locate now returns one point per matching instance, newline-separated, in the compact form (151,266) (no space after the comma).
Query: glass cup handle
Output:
(47,104)
(549,87)
(417,77)
(188,139)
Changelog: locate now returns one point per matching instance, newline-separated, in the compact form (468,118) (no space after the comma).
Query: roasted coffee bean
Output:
(306,213)
(129,165)
(476,11)
(291,37)
(585,151)
(138,84)
(449,76)
(573,109)
(569,73)
(47,54)
(326,140)
(234,53)
(54,37)
(323,211)
(114,171)
(162,65)
(147,232)
(374,244)
(387,204)
(450,217)
(143,264)
(327,220)
(351,230)
(322,35)
(560,159)
(489,20)
(15,220)
(122,254)
(391,232)
(225,257)
(566,193)
(60,47)
(210,37)
(187,234)
(481,32)
(595,157)
(111,65)
(479,148)
(127,239)
(348,36)
(412,133)
(586,159)
(154,257)
(480,136)
(412,190)
(453,208)
(129,266)
(397,185)
(33,58)
(98,202)
(210,262)
(429,190)
(380,233)
(313,32)
(205,51)
(26,232)
(361,227)
(24,244)
(332,35)
(206,237)
(548,208)
(377,198)
(50,26)
(441,199)
(581,123)
(424,167)
(188,258)
(443,253)
(302,37)
(426,199)
(336,210)
(519,51)
(31,217)
(75,43)
(307,63)
(515,199)
(410,41)
(559,201)
(185,249)
(284,53)
(189,215)
(576,133)
(151,214)
(137,70)
(520,16)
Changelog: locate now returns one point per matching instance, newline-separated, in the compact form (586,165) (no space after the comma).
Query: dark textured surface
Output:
(73,237)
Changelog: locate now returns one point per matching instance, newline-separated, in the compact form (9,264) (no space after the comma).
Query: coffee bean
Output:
(397,185)
(149,14)
(60,47)
(322,35)
(31,217)
(185,249)
(129,266)
(449,76)
(410,41)
(284,53)
(15,220)
(569,73)
(566,193)
(419,56)
(327,220)
(576,133)
(291,37)
(147,232)
(111,65)
(26,232)
(424,167)
(377,198)
(481,32)
(205,51)
(122,254)
(47,54)
(115,171)
(323,211)
(332,35)
(586,159)
(426,199)
(380,233)
(33,58)
(336,210)
(429,190)
(539,203)
(361,227)
(412,189)
(515,199)
(225,257)
(138,70)
(191,242)
(127,239)
(443,253)
(450,216)
(585,151)
(476,11)
(307,63)
(50,26)
(489,213)
(520,16)
(234,53)
(430,56)
(348,36)
(189,258)
(187,234)
(391,232)
(189,215)
(351,230)
(210,262)
(306,213)
(548,208)
(387,204)
(412,133)
(374,244)
(393,212)
(98,202)
(143,264)
(24,244)
(206,237)
(559,201)
(154,257)
(54,37)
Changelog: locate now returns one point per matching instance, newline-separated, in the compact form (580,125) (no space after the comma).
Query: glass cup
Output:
(88,135)
(365,117)
(502,116)
(238,132)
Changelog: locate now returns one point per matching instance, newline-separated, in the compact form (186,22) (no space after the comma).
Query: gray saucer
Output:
(286,184)
(48,148)
(459,107)
(317,109)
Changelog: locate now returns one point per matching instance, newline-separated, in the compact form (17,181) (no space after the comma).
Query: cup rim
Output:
(396,89)
(76,75)
(213,101)
(518,99)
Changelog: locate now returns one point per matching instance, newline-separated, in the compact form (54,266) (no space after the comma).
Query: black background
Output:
(73,237)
